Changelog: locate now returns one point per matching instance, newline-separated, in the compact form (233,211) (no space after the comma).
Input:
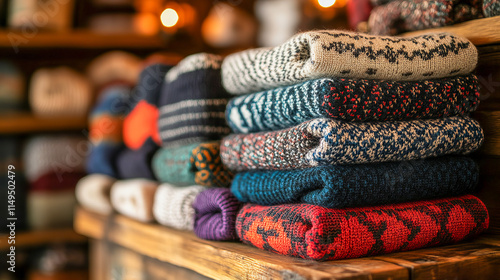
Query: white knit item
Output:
(59,92)
(173,206)
(332,53)
(134,198)
(50,209)
(58,154)
(93,193)
(114,66)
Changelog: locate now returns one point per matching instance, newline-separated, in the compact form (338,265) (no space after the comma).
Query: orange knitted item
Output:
(141,123)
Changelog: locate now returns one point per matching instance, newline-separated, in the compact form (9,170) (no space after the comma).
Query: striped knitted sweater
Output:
(197,163)
(353,100)
(340,186)
(192,102)
(324,141)
(313,232)
(332,53)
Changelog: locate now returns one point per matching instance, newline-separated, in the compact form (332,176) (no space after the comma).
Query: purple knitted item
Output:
(215,217)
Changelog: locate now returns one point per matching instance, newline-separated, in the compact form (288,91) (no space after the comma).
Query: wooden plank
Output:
(27,123)
(99,257)
(472,260)
(224,260)
(479,31)
(78,39)
(41,237)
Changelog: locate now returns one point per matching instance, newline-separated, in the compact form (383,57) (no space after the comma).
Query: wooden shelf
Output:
(479,31)
(41,237)
(231,260)
(27,123)
(79,39)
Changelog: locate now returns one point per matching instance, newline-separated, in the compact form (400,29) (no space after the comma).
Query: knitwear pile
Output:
(314,232)
(324,142)
(198,163)
(134,198)
(216,211)
(136,163)
(341,186)
(93,193)
(353,100)
(173,206)
(193,101)
(341,54)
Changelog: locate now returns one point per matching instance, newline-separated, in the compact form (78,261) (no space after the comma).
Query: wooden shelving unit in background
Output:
(14,123)
(42,237)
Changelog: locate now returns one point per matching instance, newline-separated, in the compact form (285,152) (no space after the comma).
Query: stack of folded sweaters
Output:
(348,145)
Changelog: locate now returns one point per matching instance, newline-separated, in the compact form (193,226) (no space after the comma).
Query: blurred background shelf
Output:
(479,31)
(78,39)
(231,260)
(42,237)
(11,123)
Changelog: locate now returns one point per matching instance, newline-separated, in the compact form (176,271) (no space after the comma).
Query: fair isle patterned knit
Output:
(192,102)
(173,206)
(313,232)
(324,141)
(353,100)
(491,8)
(332,53)
(341,186)
(409,15)
(197,163)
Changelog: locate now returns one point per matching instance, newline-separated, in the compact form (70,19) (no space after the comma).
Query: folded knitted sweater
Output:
(340,186)
(324,142)
(173,205)
(314,232)
(408,15)
(192,102)
(353,100)
(215,217)
(198,163)
(333,53)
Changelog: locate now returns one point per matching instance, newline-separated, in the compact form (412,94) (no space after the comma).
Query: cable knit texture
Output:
(323,142)
(408,15)
(193,101)
(192,164)
(216,211)
(173,206)
(333,53)
(353,100)
(314,232)
(341,186)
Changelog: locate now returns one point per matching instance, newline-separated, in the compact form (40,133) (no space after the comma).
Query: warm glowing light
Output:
(169,17)
(326,3)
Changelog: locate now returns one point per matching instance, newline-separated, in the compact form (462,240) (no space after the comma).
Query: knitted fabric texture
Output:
(327,54)
(142,122)
(93,193)
(353,100)
(491,8)
(408,15)
(49,210)
(54,154)
(192,164)
(193,101)
(341,186)
(105,122)
(54,182)
(59,92)
(173,206)
(314,232)
(134,198)
(216,211)
(136,163)
(324,142)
